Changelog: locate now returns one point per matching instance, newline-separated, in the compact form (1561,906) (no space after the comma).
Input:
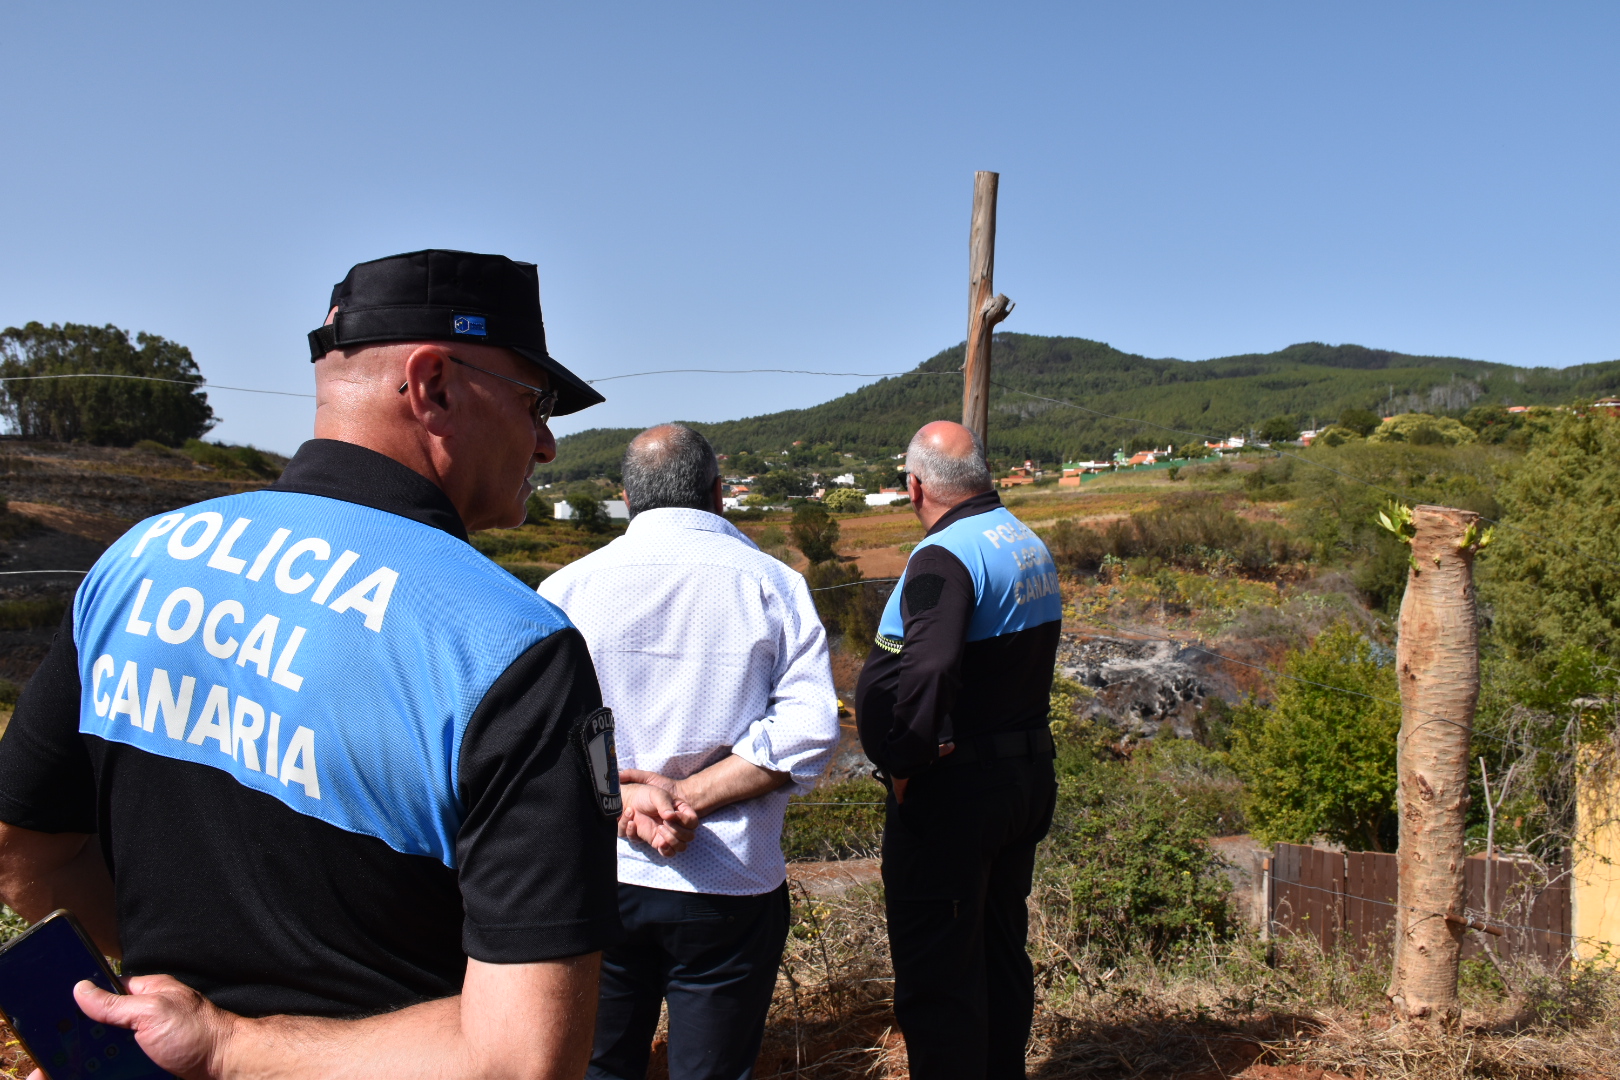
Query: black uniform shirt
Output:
(266,910)
(941,687)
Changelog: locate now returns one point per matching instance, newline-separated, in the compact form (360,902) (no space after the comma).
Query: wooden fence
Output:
(1347,900)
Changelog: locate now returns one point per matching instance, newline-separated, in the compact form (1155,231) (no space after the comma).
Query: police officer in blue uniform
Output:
(303,756)
(952,708)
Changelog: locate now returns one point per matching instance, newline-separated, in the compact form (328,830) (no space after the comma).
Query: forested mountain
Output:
(1220,397)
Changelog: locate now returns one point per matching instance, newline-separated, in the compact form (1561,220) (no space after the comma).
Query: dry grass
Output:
(1215,1010)
(876,529)
(832,1016)
(15,1064)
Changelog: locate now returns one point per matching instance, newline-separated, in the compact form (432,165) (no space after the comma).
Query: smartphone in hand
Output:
(38,970)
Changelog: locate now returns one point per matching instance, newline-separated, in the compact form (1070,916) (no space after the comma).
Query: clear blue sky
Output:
(752,184)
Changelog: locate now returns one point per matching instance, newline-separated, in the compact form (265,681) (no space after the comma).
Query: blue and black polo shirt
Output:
(967,641)
(327,748)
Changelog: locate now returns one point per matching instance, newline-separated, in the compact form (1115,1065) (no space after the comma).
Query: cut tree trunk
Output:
(984,310)
(1437,660)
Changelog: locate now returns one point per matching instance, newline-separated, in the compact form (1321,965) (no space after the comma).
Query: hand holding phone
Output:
(38,971)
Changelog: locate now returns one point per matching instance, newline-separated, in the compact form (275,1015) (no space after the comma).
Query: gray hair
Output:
(946,475)
(675,468)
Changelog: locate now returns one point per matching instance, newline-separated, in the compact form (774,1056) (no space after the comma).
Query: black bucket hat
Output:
(448,296)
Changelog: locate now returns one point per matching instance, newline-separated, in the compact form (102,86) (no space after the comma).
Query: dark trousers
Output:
(958,857)
(714,958)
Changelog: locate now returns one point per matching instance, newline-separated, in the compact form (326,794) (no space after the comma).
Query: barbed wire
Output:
(861,581)
(9,573)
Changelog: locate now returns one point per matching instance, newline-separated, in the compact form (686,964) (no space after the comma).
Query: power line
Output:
(204,384)
(768,371)
(195,384)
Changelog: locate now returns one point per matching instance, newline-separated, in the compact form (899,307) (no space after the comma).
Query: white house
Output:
(885,497)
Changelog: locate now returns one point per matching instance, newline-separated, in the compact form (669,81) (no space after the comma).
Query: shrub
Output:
(1279,429)
(1195,531)
(845,501)
(1339,515)
(780,484)
(815,532)
(1362,422)
(244,461)
(1126,866)
(1200,776)
(1319,762)
(1551,575)
(773,541)
(588,513)
(31,614)
(538,510)
(9,692)
(1421,429)
(845,831)
(846,608)
(531,574)
(1336,435)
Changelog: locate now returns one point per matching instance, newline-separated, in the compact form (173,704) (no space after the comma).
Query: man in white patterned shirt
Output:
(714,662)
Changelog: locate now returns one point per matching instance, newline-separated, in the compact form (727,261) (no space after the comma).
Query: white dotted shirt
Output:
(705,646)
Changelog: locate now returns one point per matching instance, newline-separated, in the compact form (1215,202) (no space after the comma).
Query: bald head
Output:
(670,466)
(948,460)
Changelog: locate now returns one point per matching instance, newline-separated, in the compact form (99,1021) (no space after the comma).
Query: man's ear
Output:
(719,493)
(428,390)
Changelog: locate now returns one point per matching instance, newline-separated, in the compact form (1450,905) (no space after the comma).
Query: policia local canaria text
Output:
(187,619)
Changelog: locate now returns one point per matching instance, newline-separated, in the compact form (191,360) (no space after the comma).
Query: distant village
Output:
(742,491)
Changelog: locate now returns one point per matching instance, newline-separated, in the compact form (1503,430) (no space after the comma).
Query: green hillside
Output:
(1220,397)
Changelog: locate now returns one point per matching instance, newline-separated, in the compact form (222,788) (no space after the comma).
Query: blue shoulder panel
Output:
(1015,582)
(328,654)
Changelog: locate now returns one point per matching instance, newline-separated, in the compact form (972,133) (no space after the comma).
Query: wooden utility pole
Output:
(984,309)
(1437,663)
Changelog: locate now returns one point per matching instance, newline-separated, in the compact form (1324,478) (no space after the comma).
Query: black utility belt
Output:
(1034,743)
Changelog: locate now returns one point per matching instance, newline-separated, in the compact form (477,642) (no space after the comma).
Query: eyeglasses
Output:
(540,409)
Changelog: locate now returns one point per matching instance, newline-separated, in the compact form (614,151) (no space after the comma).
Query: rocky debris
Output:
(1141,687)
(849,760)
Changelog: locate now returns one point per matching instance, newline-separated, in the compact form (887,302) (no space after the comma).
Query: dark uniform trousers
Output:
(713,958)
(958,858)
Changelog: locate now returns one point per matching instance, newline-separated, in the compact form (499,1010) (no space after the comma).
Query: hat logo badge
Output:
(472,325)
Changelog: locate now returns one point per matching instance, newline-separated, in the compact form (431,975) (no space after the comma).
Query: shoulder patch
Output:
(923,593)
(601,759)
